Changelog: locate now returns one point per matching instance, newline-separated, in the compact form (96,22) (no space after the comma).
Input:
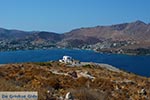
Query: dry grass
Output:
(89,94)
(108,85)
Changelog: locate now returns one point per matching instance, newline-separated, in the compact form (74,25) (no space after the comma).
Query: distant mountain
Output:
(45,36)
(137,30)
(138,33)
(12,34)
(6,34)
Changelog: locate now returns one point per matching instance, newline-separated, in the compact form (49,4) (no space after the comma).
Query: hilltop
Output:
(90,81)
(125,38)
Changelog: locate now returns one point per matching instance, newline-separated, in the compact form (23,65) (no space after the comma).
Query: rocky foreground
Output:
(59,81)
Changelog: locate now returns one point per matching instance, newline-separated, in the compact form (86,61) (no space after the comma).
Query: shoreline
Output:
(123,62)
(128,54)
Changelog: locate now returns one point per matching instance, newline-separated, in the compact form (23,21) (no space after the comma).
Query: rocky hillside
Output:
(53,80)
(45,36)
(135,31)
(126,38)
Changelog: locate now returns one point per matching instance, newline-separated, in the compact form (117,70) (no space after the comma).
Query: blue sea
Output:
(136,64)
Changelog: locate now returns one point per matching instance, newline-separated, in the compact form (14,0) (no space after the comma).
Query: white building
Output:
(66,59)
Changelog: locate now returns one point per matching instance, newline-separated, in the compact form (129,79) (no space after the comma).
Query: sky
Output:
(64,15)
